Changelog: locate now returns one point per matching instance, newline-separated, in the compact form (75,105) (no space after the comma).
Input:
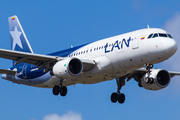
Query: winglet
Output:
(19,41)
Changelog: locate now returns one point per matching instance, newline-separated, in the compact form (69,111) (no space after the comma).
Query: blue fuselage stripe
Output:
(66,52)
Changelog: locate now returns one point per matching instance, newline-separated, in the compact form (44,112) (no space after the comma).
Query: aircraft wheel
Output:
(121,98)
(114,97)
(63,91)
(139,84)
(56,90)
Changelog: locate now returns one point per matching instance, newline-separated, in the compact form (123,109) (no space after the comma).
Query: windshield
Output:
(153,35)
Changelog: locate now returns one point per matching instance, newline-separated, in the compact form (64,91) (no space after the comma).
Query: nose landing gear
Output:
(149,79)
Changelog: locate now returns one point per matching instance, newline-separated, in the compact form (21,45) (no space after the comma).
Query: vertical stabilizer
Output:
(19,41)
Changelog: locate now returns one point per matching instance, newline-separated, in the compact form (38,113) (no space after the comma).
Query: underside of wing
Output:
(87,64)
(172,73)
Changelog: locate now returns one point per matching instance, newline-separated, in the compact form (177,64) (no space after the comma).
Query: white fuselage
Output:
(117,56)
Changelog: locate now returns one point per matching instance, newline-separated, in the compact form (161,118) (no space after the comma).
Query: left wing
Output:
(43,61)
(31,58)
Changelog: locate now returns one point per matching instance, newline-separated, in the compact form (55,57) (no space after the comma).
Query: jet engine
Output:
(67,68)
(161,79)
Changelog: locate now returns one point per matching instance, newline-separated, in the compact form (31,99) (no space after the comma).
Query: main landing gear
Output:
(60,89)
(120,97)
(149,79)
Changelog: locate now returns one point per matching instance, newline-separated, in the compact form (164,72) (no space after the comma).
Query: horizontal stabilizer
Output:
(2,71)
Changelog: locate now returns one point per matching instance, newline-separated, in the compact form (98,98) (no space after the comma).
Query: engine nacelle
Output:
(161,79)
(67,68)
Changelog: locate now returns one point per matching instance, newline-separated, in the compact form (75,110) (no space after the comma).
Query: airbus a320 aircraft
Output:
(122,57)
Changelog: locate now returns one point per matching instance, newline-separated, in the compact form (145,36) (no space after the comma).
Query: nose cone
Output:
(170,46)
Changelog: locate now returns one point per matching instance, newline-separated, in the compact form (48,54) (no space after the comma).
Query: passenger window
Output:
(169,36)
(162,35)
(155,35)
(150,36)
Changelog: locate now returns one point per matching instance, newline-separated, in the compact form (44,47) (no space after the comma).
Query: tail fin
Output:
(19,41)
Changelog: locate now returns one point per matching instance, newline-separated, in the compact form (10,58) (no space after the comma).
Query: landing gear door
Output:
(136,40)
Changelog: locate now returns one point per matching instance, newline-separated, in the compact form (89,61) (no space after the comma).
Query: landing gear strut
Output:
(149,79)
(60,89)
(120,97)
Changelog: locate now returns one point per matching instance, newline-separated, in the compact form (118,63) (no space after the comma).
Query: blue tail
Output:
(19,41)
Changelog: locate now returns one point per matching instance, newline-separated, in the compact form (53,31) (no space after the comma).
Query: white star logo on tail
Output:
(16,38)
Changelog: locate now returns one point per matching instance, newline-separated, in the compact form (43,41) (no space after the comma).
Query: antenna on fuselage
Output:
(148,26)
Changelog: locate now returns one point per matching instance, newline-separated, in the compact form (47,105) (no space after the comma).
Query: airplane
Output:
(122,57)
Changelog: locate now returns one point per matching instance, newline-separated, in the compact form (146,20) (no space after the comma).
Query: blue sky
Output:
(56,25)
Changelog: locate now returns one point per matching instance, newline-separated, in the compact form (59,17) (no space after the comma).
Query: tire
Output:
(114,97)
(63,91)
(139,84)
(151,80)
(56,90)
(121,98)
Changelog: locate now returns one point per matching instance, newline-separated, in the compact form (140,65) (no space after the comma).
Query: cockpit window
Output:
(162,35)
(150,36)
(169,36)
(155,35)
(159,35)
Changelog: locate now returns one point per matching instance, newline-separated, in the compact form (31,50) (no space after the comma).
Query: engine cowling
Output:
(161,79)
(68,68)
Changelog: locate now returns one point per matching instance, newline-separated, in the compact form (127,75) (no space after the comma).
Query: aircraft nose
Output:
(170,46)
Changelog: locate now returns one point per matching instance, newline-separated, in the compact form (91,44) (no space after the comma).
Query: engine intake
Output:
(67,68)
(161,79)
